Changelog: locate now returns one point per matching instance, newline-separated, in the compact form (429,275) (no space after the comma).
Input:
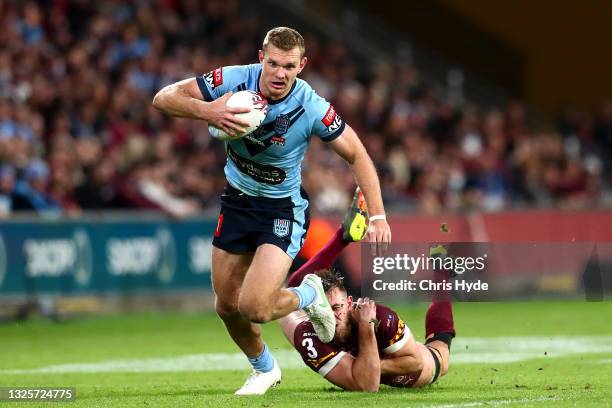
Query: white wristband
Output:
(377,217)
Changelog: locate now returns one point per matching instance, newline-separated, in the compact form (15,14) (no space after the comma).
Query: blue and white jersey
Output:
(267,162)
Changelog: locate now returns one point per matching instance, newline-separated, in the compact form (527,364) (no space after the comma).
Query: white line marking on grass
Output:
(495,402)
(193,362)
(468,350)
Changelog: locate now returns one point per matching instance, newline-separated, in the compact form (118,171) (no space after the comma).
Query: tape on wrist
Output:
(377,217)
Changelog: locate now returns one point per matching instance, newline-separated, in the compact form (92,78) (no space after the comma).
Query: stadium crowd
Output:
(78,132)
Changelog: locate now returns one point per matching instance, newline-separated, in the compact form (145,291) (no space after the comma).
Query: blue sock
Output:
(264,362)
(306,294)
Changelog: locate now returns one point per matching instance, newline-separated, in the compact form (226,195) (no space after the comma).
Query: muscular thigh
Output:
(228,272)
(267,272)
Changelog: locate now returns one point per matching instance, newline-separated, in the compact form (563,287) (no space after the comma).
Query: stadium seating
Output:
(76,83)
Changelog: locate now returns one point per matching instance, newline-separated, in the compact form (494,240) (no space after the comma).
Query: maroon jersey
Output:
(391,334)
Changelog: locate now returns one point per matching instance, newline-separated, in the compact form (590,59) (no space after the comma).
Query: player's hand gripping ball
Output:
(255,117)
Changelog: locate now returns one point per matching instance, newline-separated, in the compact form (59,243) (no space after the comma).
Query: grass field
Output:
(507,354)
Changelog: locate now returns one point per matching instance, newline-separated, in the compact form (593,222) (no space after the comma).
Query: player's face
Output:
(279,68)
(340,304)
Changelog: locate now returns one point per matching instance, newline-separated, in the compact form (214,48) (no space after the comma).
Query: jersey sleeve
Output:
(221,80)
(318,356)
(327,124)
(392,331)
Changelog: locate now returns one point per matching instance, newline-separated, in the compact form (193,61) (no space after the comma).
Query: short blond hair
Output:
(284,38)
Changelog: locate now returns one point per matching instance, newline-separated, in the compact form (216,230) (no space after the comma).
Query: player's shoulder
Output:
(382,310)
(231,73)
(245,71)
(253,69)
(305,337)
(387,317)
(315,105)
(306,93)
(392,332)
(304,329)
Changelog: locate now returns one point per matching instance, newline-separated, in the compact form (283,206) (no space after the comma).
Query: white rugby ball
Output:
(244,99)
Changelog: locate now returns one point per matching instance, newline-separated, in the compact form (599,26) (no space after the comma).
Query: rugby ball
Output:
(244,99)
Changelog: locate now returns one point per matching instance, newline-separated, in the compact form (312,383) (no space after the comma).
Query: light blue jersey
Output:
(267,162)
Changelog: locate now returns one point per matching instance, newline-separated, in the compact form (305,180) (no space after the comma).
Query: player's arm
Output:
(361,373)
(407,360)
(349,147)
(184,99)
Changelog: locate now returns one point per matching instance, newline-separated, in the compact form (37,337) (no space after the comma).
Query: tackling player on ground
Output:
(264,213)
(372,345)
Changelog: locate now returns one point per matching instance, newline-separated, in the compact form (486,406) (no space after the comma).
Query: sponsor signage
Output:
(90,257)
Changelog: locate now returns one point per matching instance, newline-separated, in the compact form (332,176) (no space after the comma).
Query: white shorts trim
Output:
(327,367)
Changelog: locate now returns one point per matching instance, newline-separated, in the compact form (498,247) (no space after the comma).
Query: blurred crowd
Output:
(78,132)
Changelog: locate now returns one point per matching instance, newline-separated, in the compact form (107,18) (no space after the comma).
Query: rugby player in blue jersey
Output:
(264,212)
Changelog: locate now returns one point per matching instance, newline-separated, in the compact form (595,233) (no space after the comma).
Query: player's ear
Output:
(349,300)
(261,56)
(302,64)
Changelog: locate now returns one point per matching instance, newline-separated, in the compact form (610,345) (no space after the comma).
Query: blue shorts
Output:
(246,222)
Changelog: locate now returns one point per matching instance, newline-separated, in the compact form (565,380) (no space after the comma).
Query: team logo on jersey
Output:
(281,227)
(332,120)
(214,77)
(267,134)
(282,124)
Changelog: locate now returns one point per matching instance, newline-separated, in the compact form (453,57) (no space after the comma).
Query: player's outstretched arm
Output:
(349,147)
(183,99)
(361,373)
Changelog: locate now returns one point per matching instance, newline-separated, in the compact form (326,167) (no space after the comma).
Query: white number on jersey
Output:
(307,342)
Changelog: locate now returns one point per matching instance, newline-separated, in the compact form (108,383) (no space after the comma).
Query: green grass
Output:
(575,380)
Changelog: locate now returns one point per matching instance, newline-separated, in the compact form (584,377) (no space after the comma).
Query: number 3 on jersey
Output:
(307,342)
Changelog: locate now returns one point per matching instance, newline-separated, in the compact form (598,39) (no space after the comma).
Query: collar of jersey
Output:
(271,102)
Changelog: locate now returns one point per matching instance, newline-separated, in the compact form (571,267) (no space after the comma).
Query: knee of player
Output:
(255,311)
(225,309)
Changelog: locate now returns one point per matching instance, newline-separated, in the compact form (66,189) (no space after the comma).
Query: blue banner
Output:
(94,257)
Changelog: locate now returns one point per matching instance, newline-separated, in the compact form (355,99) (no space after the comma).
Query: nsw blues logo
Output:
(282,124)
(281,227)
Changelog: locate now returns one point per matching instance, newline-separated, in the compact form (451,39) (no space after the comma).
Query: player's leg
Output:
(439,323)
(353,229)
(323,259)
(435,352)
(433,363)
(261,298)
(439,329)
(234,247)
(228,272)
